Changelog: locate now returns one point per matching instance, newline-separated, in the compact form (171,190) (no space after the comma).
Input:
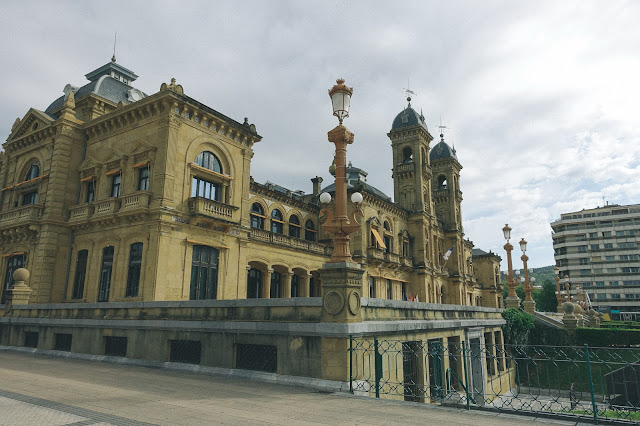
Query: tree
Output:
(546,298)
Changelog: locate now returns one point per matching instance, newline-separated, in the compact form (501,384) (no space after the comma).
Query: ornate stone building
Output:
(113,195)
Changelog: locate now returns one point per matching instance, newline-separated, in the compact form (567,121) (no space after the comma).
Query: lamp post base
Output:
(529,306)
(341,292)
(512,302)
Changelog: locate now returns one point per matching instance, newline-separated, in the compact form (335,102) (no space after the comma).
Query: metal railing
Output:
(578,382)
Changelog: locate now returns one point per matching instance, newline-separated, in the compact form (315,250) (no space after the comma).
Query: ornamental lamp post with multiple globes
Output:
(512,300)
(341,278)
(340,224)
(528,303)
(558,291)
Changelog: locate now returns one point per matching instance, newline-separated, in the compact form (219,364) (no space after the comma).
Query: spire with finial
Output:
(113,58)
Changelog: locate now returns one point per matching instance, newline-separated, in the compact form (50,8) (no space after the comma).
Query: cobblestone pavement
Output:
(38,390)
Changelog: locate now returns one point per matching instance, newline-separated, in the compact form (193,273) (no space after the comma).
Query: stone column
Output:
(286,285)
(266,285)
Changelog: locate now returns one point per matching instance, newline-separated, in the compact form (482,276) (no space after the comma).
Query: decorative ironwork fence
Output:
(583,382)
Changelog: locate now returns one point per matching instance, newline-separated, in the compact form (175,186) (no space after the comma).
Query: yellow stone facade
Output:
(113,195)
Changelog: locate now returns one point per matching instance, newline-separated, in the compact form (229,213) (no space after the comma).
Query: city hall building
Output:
(110,194)
(127,205)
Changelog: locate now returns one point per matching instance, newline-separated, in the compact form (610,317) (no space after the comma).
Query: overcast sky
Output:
(541,99)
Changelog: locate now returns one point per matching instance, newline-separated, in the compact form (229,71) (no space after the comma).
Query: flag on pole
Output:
(447,254)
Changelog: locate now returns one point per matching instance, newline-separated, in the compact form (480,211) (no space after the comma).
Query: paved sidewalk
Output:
(39,390)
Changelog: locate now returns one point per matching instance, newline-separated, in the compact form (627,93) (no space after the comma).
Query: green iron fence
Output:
(602,384)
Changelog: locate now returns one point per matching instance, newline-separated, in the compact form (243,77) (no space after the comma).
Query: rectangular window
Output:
(626,296)
(81,271)
(595,246)
(610,258)
(601,296)
(582,248)
(615,296)
(593,235)
(608,246)
(404,291)
(62,342)
(294,285)
(30,198)
(116,183)
(585,272)
(143,178)
(372,287)
(115,346)
(606,234)
(187,351)
(91,191)
(133,275)
(599,283)
(581,237)
(105,274)
(204,189)
(583,261)
(614,283)
(389,290)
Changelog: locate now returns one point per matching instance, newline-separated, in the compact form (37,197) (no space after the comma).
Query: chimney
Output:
(317,182)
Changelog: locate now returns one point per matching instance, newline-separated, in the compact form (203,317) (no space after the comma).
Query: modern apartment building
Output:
(598,250)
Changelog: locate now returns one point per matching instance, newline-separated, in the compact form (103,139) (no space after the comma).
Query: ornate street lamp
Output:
(567,286)
(558,291)
(528,303)
(512,300)
(340,224)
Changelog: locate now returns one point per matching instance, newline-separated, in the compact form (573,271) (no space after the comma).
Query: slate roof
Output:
(442,151)
(408,117)
(103,85)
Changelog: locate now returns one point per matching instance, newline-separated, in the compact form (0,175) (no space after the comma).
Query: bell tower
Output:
(445,185)
(410,140)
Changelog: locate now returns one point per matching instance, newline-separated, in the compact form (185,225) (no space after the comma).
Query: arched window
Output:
(254,283)
(133,274)
(204,273)
(208,160)
(277,222)
(33,172)
(407,155)
(294,226)
(442,182)
(309,231)
(257,216)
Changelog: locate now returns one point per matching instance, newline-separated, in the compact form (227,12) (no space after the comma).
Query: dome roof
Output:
(408,117)
(442,151)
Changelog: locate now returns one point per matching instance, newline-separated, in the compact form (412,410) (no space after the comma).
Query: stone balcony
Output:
(80,212)
(106,207)
(285,240)
(21,215)
(213,209)
(375,255)
(138,200)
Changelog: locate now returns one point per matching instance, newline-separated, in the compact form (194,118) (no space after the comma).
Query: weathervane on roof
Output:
(409,92)
(442,127)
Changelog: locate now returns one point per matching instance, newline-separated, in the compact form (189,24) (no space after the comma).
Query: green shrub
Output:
(517,327)
(542,334)
(602,337)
